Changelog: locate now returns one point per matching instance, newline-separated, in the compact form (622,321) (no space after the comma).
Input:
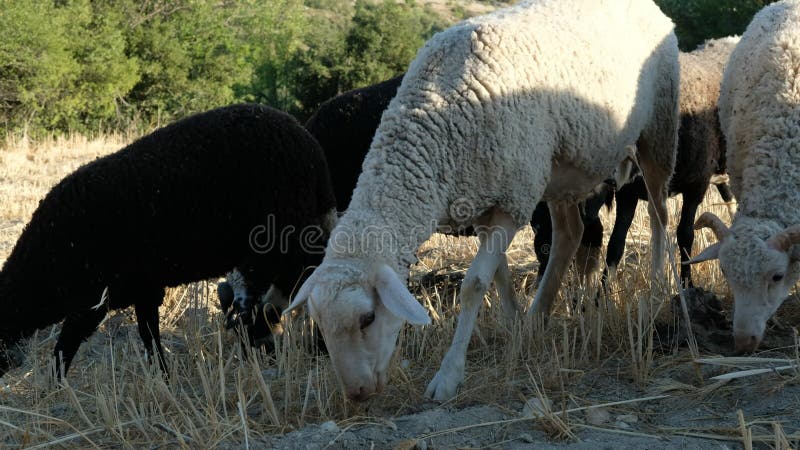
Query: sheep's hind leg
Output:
(491,256)
(567,232)
(76,329)
(656,178)
(147,321)
(505,289)
(542,226)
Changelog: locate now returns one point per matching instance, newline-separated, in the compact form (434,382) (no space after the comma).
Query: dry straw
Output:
(219,394)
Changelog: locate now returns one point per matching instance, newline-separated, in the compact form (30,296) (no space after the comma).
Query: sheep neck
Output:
(389,235)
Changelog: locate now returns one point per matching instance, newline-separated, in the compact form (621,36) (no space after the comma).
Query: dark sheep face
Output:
(239,300)
(244,308)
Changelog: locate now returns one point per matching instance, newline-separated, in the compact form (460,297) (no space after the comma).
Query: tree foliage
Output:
(698,20)
(85,65)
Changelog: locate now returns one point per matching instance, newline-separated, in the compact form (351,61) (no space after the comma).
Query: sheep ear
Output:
(302,295)
(395,297)
(711,252)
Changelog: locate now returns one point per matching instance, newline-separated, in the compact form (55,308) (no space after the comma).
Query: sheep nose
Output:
(239,301)
(358,394)
(746,343)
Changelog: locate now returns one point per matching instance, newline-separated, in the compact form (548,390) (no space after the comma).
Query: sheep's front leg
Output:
(567,232)
(76,329)
(147,321)
(487,263)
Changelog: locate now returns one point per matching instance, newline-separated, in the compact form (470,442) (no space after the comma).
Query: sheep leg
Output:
(76,329)
(656,181)
(627,199)
(727,197)
(543,237)
(505,289)
(567,232)
(147,321)
(725,192)
(491,256)
(587,257)
(685,232)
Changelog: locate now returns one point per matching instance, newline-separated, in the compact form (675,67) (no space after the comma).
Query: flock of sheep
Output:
(547,101)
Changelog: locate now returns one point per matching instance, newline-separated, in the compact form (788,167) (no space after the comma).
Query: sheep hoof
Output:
(444,385)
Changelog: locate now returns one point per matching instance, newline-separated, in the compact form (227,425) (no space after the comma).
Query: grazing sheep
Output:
(344,126)
(759,110)
(701,152)
(168,209)
(533,102)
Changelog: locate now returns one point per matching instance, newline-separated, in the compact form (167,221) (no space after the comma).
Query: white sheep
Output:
(759,110)
(533,102)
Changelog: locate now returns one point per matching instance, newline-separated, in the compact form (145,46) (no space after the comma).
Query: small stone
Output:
(329,427)
(598,416)
(628,418)
(527,438)
(535,408)
(622,425)
(405,364)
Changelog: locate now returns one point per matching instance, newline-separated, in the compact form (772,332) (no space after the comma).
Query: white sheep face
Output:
(760,277)
(361,337)
(360,318)
(760,272)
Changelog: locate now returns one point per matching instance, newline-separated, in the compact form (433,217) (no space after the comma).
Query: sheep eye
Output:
(777,277)
(366,319)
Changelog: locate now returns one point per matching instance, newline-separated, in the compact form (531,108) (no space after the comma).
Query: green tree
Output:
(105,73)
(36,68)
(275,32)
(377,43)
(384,39)
(189,54)
(698,20)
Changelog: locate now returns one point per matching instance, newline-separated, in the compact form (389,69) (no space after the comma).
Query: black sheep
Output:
(188,202)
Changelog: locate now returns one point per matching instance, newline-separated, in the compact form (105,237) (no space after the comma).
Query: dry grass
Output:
(217,397)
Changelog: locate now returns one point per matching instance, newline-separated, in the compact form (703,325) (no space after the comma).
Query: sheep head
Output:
(760,262)
(360,315)
(247,304)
